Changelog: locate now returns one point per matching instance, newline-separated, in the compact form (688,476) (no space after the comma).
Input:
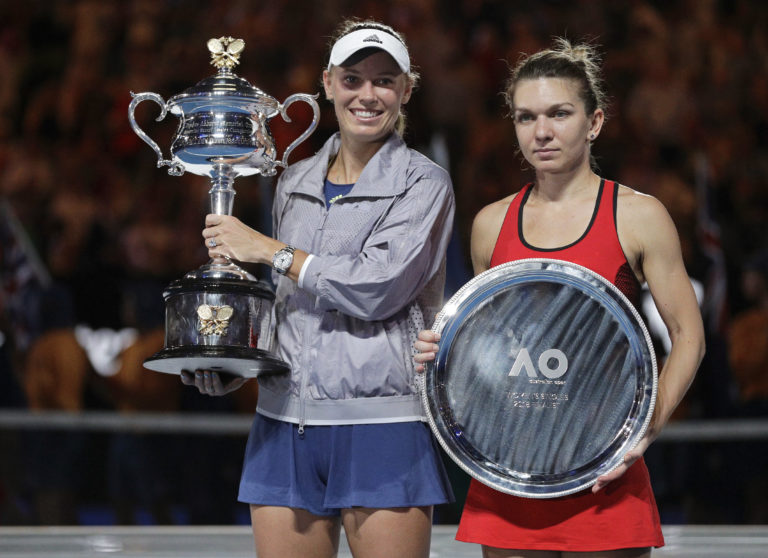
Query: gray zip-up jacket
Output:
(376,275)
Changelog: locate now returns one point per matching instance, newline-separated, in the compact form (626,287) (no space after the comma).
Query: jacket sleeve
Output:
(398,259)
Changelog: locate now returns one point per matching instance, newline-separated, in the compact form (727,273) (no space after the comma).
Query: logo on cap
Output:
(372,39)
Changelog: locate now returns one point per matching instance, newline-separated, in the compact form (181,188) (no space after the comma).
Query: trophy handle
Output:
(174,168)
(310,100)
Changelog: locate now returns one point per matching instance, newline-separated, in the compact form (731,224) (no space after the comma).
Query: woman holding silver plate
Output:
(572,214)
(361,229)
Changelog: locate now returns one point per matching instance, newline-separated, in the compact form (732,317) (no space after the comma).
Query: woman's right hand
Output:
(211,383)
(427,347)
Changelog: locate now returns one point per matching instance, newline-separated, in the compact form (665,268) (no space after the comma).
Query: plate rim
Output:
(450,308)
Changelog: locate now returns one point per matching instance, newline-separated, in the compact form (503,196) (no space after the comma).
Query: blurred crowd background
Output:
(91,231)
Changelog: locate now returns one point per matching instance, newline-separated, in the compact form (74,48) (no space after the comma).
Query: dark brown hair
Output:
(580,63)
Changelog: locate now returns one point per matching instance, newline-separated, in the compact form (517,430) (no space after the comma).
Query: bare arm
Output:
(673,294)
(485,232)
(651,242)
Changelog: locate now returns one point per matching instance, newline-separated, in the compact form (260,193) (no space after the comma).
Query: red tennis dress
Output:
(624,513)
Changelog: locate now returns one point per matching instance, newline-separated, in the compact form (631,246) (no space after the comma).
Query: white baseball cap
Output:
(368,37)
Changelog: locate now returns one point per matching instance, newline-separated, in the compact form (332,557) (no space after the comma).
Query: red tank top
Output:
(598,248)
(623,514)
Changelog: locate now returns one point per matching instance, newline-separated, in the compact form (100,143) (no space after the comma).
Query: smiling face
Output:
(367,97)
(553,129)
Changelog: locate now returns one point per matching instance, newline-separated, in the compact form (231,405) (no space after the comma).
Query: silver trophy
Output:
(544,379)
(218,317)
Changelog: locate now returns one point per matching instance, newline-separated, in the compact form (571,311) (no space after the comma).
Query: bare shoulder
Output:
(641,215)
(646,230)
(634,202)
(485,230)
(491,217)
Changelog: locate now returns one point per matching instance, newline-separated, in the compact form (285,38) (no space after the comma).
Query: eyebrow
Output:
(549,108)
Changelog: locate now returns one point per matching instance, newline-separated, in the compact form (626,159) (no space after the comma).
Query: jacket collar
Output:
(383,176)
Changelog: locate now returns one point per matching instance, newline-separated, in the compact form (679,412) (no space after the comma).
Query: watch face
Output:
(283,261)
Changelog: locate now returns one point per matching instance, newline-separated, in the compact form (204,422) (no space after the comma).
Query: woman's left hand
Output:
(211,383)
(629,458)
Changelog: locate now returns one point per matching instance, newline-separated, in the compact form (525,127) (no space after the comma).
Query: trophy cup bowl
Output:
(218,317)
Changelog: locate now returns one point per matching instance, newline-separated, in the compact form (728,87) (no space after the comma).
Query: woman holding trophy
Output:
(361,229)
(570,213)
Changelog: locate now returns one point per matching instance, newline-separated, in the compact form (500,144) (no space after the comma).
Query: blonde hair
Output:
(349,25)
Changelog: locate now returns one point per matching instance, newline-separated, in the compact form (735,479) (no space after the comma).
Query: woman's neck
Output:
(349,162)
(564,186)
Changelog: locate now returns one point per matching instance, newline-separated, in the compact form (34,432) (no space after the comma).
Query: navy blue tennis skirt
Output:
(330,468)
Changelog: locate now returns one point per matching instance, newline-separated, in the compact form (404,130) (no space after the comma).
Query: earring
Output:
(591,136)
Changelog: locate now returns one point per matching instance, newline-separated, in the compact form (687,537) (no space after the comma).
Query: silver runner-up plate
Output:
(544,379)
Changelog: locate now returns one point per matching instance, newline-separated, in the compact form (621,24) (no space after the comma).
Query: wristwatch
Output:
(282,260)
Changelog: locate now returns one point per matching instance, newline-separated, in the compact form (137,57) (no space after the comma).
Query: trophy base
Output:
(245,362)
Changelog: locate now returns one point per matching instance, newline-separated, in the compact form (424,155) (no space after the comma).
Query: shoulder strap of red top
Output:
(508,231)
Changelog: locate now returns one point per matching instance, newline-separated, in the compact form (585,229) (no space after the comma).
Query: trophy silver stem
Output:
(222,196)
(222,193)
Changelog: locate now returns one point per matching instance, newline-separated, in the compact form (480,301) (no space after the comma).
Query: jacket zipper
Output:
(313,321)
